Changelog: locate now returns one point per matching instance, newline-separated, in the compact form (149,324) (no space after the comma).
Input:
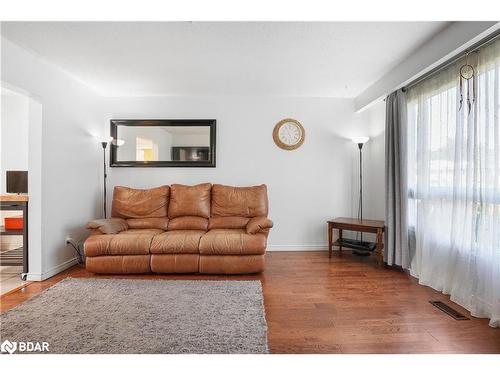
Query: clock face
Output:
(288,134)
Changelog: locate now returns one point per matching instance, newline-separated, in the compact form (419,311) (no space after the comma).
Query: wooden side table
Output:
(356,225)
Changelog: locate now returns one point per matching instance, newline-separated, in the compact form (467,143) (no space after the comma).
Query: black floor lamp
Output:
(104,142)
(360,247)
(360,141)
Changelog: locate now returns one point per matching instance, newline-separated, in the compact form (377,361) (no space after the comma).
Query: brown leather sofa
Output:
(211,229)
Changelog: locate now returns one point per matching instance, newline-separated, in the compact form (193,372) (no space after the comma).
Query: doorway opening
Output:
(20,114)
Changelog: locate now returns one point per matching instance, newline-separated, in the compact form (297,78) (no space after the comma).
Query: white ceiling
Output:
(334,59)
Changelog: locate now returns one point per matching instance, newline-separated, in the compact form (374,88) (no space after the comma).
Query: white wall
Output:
(14,149)
(306,186)
(14,133)
(374,163)
(69,156)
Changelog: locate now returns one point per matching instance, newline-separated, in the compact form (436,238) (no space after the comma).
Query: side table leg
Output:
(329,240)
(340,241)
(380,253)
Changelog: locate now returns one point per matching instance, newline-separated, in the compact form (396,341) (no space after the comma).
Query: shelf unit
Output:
(17,202)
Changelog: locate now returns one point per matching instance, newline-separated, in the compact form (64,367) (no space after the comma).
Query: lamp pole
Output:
(104,145)
(360,146)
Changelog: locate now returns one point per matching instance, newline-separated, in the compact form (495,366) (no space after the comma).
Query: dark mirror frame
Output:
(113,149)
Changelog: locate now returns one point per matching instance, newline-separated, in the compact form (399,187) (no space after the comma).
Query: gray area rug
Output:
(142,316)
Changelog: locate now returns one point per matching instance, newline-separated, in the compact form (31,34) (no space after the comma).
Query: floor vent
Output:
(449,310)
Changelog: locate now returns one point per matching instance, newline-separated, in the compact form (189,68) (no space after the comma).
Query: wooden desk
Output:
(346,223)
(17,202)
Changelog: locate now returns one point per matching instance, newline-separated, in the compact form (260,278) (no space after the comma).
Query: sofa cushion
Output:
(189,200)
(228,222)
(152,231)
(140,203)
(177,242)
(188,223)
(239,201)
(232,242)
(124,243)
(148,223)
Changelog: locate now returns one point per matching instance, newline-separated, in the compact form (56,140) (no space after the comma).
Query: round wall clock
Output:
(289,134)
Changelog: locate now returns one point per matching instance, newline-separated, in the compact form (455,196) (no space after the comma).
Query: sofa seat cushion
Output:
(177,242)
(232,242)
(228,222)
(123,243)
(148,223)
(188,223)
(143,231)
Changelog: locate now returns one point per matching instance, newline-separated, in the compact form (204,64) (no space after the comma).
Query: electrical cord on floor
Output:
(78,251)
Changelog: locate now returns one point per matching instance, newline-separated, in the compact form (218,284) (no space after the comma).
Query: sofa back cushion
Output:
(239,201)
(189,201)
(131,203)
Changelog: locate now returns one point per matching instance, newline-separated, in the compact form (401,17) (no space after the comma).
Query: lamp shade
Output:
(118,142)
(105,139)
(360,140)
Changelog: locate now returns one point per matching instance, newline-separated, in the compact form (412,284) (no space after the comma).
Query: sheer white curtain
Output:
(454,185)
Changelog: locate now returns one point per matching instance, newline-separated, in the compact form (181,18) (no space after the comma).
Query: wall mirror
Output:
(163,143)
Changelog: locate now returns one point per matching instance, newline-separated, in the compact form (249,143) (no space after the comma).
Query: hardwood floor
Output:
(341,305)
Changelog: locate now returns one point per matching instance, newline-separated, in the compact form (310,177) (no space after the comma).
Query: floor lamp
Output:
(104,143)
(360,247)
(360,141)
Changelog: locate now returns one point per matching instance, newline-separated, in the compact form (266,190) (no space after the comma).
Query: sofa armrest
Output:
(108,226)
(258,224)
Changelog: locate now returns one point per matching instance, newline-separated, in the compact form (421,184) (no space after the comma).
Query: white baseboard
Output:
(296,247)
(53,271)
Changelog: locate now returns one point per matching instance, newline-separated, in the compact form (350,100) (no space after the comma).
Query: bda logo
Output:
(8,347)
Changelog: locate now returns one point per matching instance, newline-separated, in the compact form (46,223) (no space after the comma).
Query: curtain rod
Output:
(481,43)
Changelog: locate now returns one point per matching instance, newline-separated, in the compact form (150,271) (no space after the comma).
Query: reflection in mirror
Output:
(163,143)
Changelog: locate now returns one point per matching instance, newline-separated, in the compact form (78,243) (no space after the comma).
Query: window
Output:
(454,183)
